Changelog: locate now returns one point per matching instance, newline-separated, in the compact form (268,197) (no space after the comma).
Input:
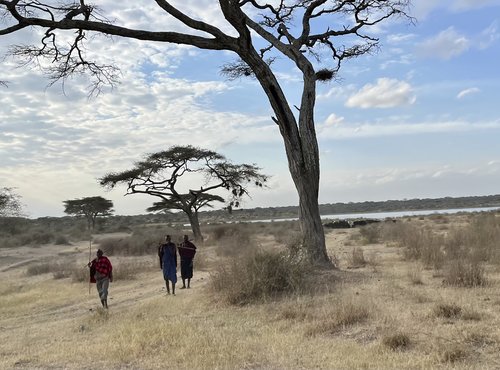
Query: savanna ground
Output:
(418,293)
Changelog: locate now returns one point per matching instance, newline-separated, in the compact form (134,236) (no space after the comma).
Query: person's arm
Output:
(160,255)
(175,255)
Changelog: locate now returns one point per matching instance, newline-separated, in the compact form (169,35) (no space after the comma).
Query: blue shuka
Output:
(168,256)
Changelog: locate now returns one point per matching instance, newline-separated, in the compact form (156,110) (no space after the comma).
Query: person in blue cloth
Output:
(167,253)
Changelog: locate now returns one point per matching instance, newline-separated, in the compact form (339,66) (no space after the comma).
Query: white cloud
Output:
(333,119)
(488,36)
(386,93)
(372,130)
(400,38)
(472,90)
(446,45)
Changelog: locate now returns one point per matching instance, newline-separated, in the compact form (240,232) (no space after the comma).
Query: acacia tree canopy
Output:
(183,177)
(90,207)
(315,36)
(10,203)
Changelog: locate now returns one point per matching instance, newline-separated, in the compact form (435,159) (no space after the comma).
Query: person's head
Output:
(186,238)
(167,238)
(99,253)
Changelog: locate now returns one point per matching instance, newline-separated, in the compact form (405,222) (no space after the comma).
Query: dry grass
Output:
(381,318)
(396,341)
(356,258)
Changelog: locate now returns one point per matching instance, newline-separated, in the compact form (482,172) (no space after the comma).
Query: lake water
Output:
(384,215)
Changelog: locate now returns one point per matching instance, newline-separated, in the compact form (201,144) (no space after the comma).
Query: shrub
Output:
(356,258)
(477,241)
(126,270)
(453,354)
(370,233)
(233,240)
(142,241)
(38,269)
(58,270)
(415,275)
(258,276)
(397,341)
(465,273)
(61,240)
(344,314)
(80,274)
(449,311)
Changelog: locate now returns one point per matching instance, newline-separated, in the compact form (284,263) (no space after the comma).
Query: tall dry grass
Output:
(362,319)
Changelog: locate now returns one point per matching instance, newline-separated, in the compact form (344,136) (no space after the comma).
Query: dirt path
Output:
(79,303)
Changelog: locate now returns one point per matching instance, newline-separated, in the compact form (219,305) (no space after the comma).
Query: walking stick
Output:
(90,256)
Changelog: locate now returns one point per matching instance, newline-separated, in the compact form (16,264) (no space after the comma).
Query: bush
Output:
(143,241)
(356,259)
(58,270)
(61,240)
(259,276)
(341,316)
(232,240)
(370,233)
(415,275)
(448,311)
(465,273)
(397,341)
(38,269)
(453,354)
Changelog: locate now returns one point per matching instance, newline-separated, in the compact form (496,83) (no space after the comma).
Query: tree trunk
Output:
(195,226)
(302,152)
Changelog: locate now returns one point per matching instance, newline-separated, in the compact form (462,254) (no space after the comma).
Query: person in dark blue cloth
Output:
(187,250)
(167,253)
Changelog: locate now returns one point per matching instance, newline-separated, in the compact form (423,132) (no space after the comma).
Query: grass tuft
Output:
(396,341)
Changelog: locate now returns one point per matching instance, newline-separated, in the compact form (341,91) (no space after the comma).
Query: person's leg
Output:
(104,292)
(183,273)
(173,288)
(168,287)
(189,283)
(99,286)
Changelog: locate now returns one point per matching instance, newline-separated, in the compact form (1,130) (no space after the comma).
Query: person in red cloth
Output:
(187,250)
(101,273)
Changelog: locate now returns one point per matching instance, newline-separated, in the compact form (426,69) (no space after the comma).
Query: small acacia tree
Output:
(314,36)
(90,208)
(10,203)
(172,174)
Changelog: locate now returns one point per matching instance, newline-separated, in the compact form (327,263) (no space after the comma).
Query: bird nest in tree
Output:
(324,75)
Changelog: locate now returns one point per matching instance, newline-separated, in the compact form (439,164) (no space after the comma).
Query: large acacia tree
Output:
(184,177)
(316,36)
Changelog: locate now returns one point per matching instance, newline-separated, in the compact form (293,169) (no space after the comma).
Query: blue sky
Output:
(418,119)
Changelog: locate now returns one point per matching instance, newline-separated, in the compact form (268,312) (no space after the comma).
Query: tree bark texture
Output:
(195,226)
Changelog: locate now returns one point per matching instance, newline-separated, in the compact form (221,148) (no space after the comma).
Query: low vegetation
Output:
(406,294)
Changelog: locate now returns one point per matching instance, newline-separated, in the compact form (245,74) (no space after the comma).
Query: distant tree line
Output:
(362,207)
